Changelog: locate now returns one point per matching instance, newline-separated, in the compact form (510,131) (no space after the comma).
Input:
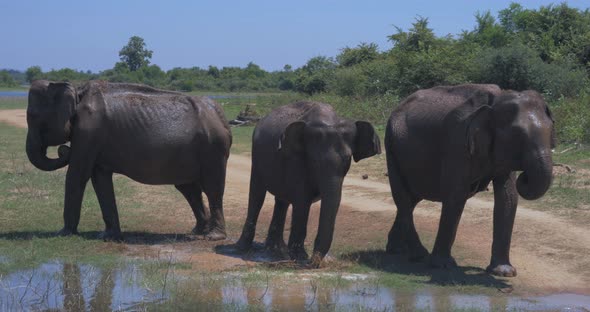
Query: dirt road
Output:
(550,254)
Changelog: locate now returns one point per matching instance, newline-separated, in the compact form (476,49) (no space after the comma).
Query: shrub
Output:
(518,67)
(572,118)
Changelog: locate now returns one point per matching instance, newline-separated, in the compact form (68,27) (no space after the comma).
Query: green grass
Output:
(13,102)
(573,155)
(14,88)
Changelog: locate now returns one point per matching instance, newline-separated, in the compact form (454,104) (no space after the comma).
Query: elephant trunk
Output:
(37,153)
(536,178)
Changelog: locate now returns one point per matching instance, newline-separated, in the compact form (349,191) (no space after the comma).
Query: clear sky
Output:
(89,34)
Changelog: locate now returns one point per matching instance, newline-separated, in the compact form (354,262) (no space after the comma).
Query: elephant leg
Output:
(213,183)
(76,179)
(255,201)
(194,196)
(447,230)
(323,241)
(300,215)
(274,240)
(505,203)
(403,236)
(102,181)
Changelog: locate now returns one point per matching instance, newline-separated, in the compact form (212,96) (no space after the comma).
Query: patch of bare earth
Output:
(15,117)
(549,252)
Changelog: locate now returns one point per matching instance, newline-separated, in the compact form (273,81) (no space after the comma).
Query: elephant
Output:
(447,143)
(151,136)
(301,153)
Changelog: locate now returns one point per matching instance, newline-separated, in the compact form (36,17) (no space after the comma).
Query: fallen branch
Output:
(568,168)
(567,149)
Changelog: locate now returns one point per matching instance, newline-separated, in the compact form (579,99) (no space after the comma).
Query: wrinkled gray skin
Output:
(152,136)
(300,154)
(448,143)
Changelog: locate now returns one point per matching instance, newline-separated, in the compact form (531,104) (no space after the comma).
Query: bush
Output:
(572,119)
(427,69)
(348,81)
(518,67)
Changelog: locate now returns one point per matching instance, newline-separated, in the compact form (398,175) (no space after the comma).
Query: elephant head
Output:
(516,131)
(330,147)
(50,109)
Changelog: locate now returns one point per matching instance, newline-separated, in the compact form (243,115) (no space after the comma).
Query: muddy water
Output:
(79,287)
(74,287)
(366,295)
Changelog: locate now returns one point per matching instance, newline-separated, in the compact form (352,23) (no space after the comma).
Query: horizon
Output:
(257,31)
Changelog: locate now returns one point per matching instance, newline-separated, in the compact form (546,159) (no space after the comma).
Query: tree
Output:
(6,80)
(418,38)
(135,54)
(33,73)
(364,52)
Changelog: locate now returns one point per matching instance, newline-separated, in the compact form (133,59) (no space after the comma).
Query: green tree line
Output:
(545,49)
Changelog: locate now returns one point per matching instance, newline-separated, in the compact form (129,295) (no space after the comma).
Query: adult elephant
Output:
(152,136)
(300,154)
(448,143)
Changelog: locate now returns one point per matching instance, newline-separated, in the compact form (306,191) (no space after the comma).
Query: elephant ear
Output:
(479,133)
(367,142)
(291,140)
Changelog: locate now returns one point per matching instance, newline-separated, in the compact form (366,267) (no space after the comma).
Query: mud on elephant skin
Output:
(152,136)
(301,153)
(446,144)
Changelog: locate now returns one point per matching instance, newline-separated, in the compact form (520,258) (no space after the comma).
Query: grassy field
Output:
(31,204)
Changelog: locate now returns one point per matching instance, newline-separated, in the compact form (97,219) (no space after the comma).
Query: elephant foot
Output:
(316,261)
(215,235)
(111,236)
(442,262)
(298,254)
(505,270)
(200,230)
(418,254)
(67,232)
(278,248)
(243,244)
(396,247)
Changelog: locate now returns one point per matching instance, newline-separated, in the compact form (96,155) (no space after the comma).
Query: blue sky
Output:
(89,34)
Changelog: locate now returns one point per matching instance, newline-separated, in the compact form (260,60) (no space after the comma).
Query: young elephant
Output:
(300,154)
(152,136)
(448,143)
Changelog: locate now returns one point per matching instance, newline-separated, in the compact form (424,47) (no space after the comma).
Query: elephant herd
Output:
(442,144)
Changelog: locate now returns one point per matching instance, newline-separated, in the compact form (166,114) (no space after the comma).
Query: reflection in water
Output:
(73,287)
(297,294)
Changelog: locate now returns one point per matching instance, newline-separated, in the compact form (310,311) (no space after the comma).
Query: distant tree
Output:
(213,71)
(313,77)
(6,79)
(33,72)
(487,33)
(135,54)
(287,68)
(253,71)
(364,52)
(417,38)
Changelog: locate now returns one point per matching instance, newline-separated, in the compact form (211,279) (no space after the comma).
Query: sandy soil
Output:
(550,254)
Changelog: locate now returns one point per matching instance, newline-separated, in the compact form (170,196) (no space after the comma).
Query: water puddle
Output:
(21,94)
(79,287)
(75,287)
